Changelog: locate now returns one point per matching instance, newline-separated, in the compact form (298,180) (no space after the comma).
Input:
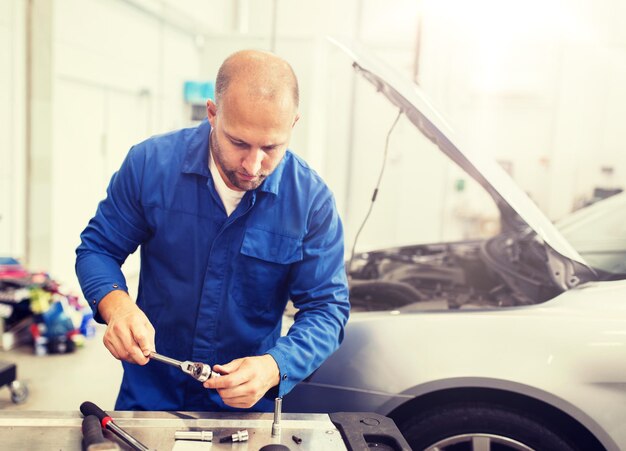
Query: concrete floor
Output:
(64,381)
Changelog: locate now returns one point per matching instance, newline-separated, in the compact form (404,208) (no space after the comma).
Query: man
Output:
(231,225)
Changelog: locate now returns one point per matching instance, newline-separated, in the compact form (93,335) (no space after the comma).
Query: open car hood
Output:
(517,210)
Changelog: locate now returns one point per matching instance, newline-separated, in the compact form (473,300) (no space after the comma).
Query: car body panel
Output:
(579,337)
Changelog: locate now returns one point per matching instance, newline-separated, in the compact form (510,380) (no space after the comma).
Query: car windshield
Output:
(598,233)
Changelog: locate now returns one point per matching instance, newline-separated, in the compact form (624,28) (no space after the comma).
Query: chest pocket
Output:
(263,267)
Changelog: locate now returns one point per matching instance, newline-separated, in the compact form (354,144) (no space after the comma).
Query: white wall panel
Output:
(12,123)
(106,42)
(589,133)
(180,60)
(313,18)
(614,134)
(532,87)
(616,20)
(6,125)
(78,170)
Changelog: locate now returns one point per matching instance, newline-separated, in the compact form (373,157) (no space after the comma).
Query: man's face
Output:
(249,136)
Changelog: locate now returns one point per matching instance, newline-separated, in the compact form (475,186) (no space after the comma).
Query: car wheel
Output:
(484,427)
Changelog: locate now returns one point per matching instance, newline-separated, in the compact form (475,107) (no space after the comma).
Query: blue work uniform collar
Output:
(197,155)
(197,158)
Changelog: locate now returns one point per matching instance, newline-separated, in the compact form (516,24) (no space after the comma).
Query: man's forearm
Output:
(114,302)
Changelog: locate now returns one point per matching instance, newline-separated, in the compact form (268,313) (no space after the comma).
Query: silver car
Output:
(517,341)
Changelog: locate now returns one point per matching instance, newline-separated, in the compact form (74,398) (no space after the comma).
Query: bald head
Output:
(264,75)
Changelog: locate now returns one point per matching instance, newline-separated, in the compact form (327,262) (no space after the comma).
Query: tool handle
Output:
(92,431)
(88,408)
(164,359)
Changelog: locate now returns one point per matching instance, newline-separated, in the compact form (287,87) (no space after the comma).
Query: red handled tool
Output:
(92,436)
(89,408)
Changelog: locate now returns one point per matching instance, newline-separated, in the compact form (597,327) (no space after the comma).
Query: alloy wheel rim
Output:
(479,442)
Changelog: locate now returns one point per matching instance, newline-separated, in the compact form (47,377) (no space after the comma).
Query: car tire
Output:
(470,426)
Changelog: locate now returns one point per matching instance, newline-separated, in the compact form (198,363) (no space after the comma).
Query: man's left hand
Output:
(244,381)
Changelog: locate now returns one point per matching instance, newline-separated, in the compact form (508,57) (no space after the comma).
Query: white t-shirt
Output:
(230,197)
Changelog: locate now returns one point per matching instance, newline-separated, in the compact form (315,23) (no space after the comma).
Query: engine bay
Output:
(504,271)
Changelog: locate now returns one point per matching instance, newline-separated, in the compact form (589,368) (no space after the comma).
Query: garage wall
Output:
(297,31)
(115,76)
(589,135)
(12,123)
(545,95)
(536,86)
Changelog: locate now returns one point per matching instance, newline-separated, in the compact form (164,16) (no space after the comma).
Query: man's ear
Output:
(295,120)
(211,111)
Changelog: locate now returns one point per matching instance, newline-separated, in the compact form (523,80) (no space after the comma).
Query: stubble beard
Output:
(231,174)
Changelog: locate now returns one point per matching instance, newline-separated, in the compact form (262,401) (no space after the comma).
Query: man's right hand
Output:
(129,335)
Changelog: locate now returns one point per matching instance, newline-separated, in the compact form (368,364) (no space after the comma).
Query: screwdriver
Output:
(197,370)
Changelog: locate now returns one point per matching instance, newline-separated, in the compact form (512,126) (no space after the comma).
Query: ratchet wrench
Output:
(197,370)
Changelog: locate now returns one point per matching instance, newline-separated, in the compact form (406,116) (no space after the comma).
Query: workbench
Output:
(50,430)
